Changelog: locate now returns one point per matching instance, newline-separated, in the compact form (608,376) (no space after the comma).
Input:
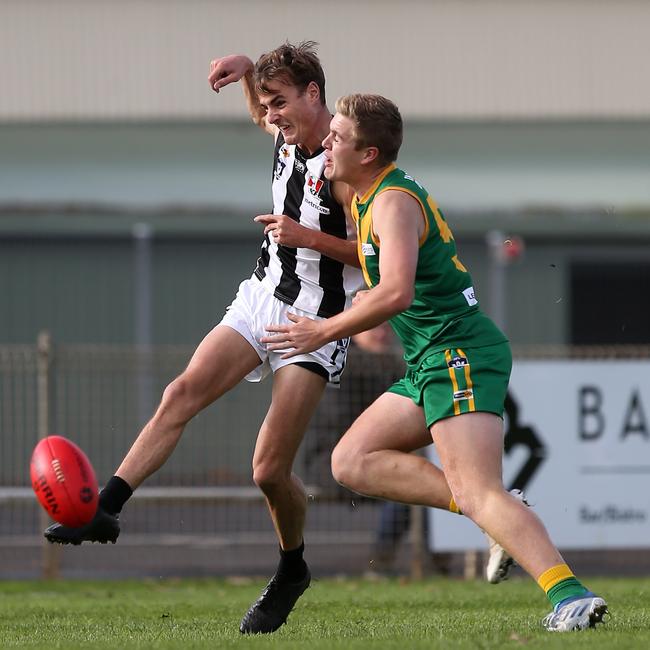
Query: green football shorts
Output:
(456,381)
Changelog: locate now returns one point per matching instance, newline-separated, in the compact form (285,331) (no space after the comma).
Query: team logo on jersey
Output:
(314,184)
(280,165)
(458,362)
(467,393)
(367,249)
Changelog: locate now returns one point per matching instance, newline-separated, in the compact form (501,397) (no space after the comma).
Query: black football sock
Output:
(114,495)
(292,567)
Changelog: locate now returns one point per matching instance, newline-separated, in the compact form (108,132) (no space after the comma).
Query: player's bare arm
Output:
(288,232)
(238,67)
(398,224)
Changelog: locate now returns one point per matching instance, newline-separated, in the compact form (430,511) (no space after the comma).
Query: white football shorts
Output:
(253,308)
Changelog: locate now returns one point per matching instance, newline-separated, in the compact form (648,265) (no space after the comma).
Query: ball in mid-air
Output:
(64,481)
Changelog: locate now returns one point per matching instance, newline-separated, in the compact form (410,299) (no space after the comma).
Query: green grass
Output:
(436,613)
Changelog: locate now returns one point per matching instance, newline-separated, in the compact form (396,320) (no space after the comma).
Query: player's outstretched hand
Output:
(285,230)
(305,335)
(228,69)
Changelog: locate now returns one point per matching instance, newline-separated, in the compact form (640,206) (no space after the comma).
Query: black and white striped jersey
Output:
(303,277)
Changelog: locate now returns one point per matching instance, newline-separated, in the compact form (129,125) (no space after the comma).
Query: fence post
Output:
(51,554)
(418,549)
(471,565)
(143,318)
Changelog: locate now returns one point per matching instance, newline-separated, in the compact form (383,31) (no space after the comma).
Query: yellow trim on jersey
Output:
(425,234)
(375,185)
(362,237)
(468,382)
(355,211)
(454,383)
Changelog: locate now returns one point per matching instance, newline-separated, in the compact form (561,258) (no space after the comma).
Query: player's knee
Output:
(471,503)
(346,468)
(179,401)
(270,476)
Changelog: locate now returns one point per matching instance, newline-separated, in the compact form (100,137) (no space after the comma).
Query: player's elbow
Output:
(395,294)
(399,299)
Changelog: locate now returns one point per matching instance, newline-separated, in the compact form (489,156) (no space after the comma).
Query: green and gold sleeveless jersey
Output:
(444,313)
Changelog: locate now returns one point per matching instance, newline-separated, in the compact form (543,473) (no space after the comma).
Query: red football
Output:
(64,481)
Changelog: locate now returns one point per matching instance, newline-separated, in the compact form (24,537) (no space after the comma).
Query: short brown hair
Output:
(377,123)
(296,65)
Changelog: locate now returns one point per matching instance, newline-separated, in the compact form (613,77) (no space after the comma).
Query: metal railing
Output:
(203,498)
(200,514)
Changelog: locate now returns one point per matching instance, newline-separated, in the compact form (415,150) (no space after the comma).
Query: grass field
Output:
(436,613)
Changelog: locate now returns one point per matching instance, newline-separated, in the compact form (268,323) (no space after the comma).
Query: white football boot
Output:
(499,560)
(578,614)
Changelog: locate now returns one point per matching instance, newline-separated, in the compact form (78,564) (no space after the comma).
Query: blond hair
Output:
(377,123)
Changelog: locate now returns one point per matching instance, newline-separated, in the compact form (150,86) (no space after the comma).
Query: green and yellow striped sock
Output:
(559,583)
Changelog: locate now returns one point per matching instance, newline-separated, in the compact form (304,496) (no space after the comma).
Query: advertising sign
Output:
(578,443)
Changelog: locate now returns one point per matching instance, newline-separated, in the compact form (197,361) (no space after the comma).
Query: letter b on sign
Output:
(591,421)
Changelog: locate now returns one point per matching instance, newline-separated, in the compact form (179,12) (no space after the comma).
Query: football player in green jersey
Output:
(458,362)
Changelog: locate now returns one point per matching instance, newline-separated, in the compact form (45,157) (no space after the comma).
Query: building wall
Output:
(469,166)
(438,59)
(528,116)
(87,289)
